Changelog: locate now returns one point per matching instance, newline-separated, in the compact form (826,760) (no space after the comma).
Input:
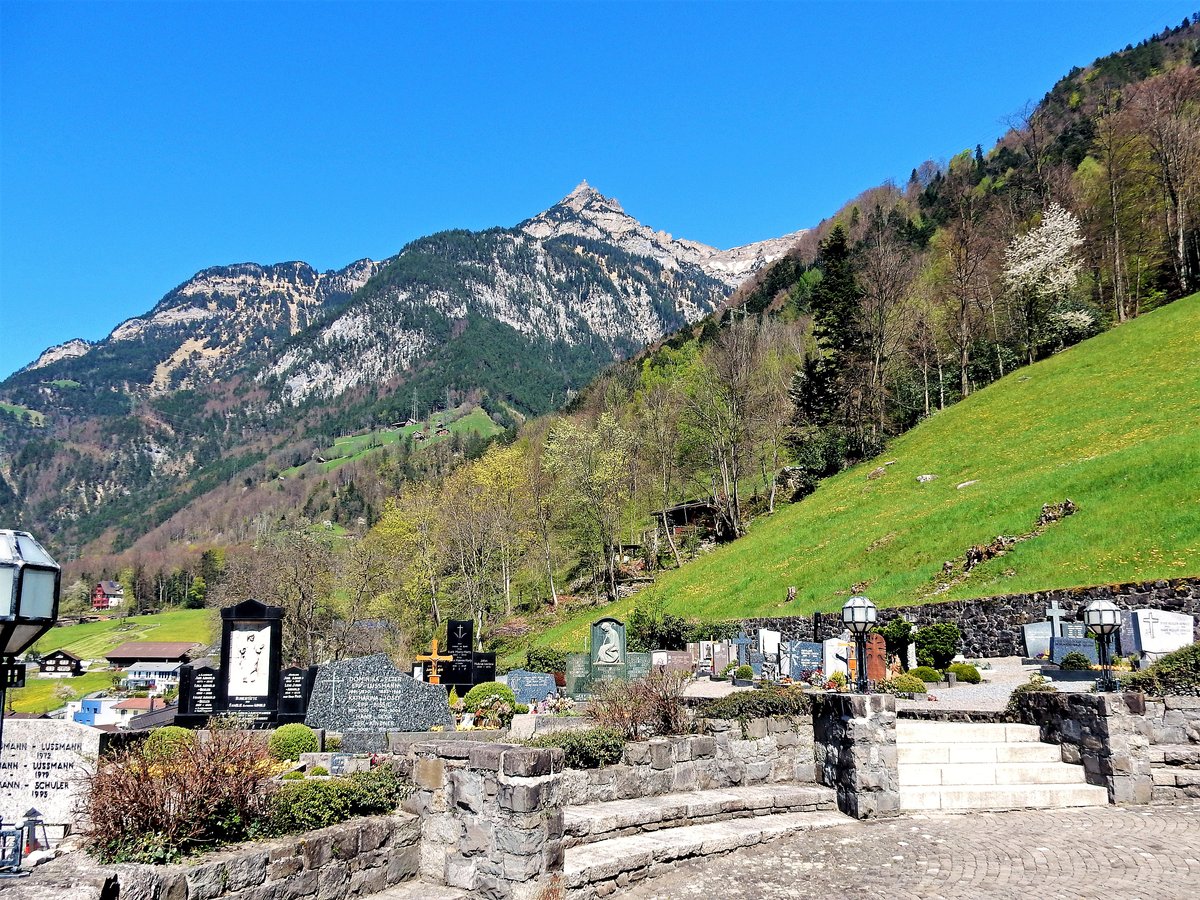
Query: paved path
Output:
(1131,853)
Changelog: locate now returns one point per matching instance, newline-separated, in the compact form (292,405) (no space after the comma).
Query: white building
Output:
(152,676)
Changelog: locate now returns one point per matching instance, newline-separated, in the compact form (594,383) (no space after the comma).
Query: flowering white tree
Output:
(1040,267)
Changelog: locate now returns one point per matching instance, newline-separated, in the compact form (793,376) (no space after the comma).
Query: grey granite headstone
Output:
(1037,639)
(1061,646)
(1074,630)
(578,675)
(638,665)
(43,766)
(802,656)
(756,662)
(365,698)
(1127,636)
(530,687)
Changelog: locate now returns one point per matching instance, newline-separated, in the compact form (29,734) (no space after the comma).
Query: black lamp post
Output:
(29,588)
(859,615)
(1103,617)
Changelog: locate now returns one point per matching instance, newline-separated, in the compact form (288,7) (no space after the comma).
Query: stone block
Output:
(521,842)
(367,882)
(465,790)
(523,796)
(461,873)
(527,762)
(206,882)
(429,773)
(344,841)
(637,753)
(487,756)
(301,885)
(756,728)
(333,881)
(403,863)
(374,834)
(660,754)
(284,868)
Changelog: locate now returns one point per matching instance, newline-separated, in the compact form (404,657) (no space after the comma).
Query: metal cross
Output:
(1056,617)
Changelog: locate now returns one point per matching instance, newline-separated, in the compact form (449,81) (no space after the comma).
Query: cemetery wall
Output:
(767,750)
(991,626)
(355,858)
(856,754)
(1174,726)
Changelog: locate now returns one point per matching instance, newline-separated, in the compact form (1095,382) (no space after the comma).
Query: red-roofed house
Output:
(107,595)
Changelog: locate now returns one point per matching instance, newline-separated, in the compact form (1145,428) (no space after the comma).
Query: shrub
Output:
(155,811)
(165,742)
(305,805)
(493,711)
(545,659)
(939,642)
(768,701)
(744,673)
(590,749)
(730,667)
(1036,684)
(926,674)
(293,776)
(837,681)
(908,683)
(966,673)
(662,694)
(318,770)
(289,741)
(1176,673)
(479,693)
(333,742)
(1075,662)
(653,704)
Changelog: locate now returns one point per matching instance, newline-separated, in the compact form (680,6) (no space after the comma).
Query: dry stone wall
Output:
(991,626)
(766,750)
(1174,731)
(856,754)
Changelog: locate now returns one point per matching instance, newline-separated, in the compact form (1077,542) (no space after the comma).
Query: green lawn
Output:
(24,414)
(1113,424)
(38,694)
(92,640)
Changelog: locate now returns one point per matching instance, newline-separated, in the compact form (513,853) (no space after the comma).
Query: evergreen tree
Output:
(835,301)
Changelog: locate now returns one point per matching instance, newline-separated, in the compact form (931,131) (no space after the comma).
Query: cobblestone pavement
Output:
(1131,853)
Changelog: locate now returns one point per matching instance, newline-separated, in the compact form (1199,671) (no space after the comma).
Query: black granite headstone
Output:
(1061,646)
(363,699)
(295,686)
(460,635)
(485,667)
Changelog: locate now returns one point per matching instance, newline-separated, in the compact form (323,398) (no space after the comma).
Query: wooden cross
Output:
(433,659)
(1056,615)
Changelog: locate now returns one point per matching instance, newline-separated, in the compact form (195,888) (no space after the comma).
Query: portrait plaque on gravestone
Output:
(250,660)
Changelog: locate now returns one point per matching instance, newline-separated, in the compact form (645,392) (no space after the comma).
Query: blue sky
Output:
(142,142)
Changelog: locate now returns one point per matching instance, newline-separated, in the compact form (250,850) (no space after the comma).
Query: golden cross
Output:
(433,659)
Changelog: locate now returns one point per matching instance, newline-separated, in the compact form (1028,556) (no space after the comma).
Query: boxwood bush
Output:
(1176,673)
(926,674)
(744,673)
(1075,662)
(479,693)
(965,672)
(903,684)
(311,803)
(165,742)
(289,741)
(592,748)
(767,701)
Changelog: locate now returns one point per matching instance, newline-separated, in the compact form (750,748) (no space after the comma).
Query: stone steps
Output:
(973,766)
(599,869)
(420,890)
(620,818)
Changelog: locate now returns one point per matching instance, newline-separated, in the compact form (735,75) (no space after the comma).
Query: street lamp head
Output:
(858,615)
(1102,617)
(29,589)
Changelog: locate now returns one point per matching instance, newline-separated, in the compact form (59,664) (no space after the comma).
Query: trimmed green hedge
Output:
(287,742)
(592,748)
(966,673)
(476,695)
(312,803)
(767,701)
(926,674)
(1176,673)
(903,684)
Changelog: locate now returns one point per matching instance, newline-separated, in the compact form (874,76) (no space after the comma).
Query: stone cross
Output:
(1151,620)
(1055,614)
(743,641)
(433,659)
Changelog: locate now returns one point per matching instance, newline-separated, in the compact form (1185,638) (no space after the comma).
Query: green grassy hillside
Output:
(1113,424)
(92,640)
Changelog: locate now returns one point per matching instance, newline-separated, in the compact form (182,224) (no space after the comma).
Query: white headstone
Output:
(43,766)
(911,661)
(1037,639)
(834,656)
(1162,632)
(768,641)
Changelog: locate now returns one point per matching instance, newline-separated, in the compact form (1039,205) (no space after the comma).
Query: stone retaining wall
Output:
(1104,732)
(352,859)
(769,750)
(1174,732)
(856,754)
(991,626)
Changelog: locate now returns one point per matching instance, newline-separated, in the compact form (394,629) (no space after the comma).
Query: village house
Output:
(152,676)
(111,712)
(107,595)
(132,652)
(60,664)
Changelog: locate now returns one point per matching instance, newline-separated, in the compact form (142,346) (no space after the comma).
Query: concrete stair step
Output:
(620,818)
(993,752)
(987,774)
(597,869)
(1027,796)
(912,731)
(419,890)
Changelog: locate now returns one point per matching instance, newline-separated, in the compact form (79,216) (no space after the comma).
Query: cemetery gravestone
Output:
(768,642)
(531,687)
(1127,636)
(363,699)
(721,657)
(802,656)
(673,660)
(295,686)
(1061,646)
(608,644)
(1074,630)
(757,659)
(835,656)
(1037,639)
(459,673)
(485,667)
(742,642)
(250,659)
(876,658)
(42,767)
(1163,632)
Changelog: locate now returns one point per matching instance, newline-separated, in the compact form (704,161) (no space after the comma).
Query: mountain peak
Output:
(584,196)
